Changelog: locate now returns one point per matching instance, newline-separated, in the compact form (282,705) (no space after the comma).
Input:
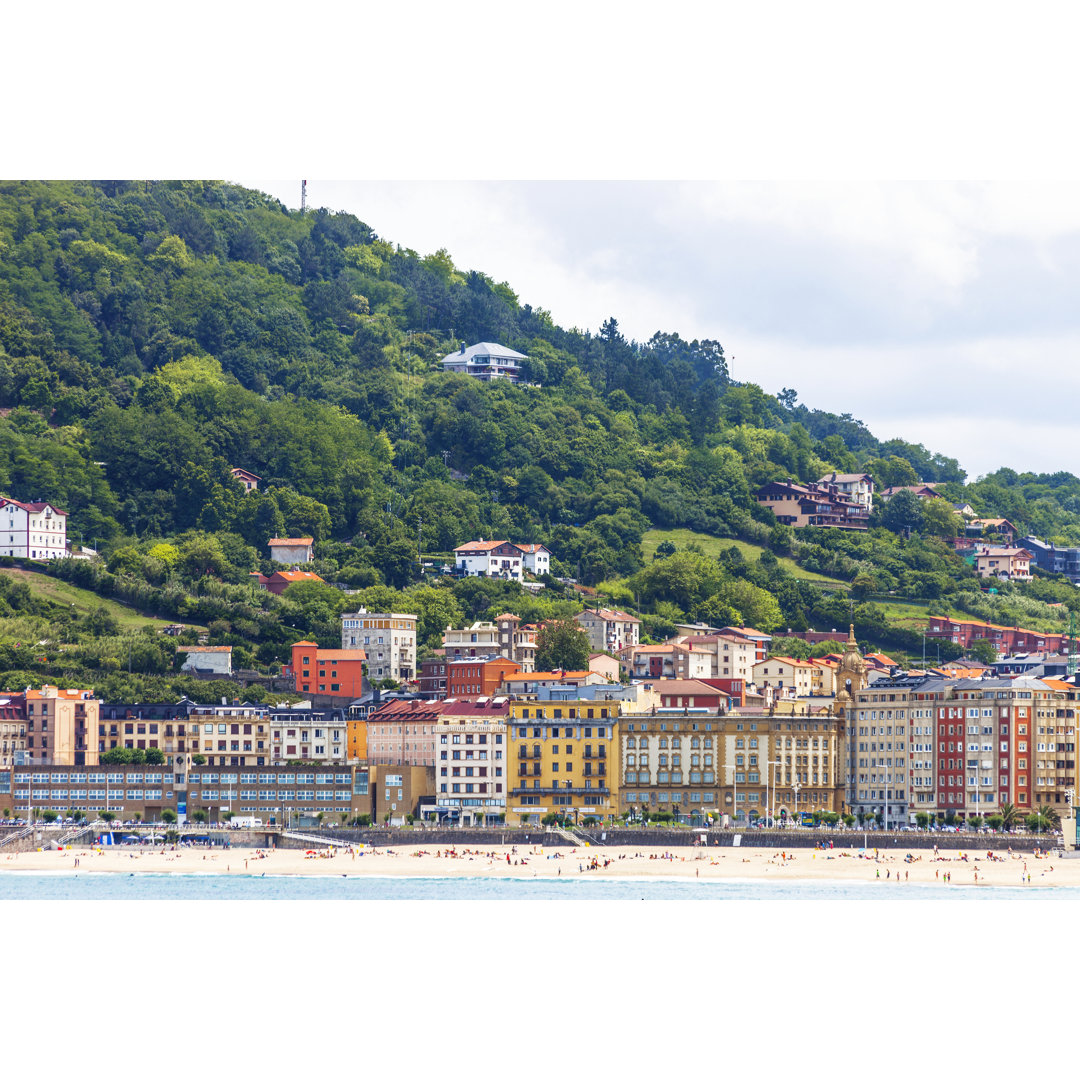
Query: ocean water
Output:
(71,886)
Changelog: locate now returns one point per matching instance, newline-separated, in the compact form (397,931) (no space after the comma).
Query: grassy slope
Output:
(713,545)
(85,601)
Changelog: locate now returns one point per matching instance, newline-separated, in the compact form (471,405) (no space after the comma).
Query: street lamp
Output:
(769,802)
(796,787)
(734,769)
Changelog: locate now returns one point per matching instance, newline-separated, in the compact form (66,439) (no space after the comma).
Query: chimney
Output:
(463,348)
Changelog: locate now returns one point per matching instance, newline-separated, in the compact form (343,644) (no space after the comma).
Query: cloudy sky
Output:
(939,312)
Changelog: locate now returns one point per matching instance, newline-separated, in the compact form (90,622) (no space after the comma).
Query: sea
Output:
(111,887)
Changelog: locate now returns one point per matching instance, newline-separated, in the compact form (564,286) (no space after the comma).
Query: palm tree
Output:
(1050,817)
(1010,816)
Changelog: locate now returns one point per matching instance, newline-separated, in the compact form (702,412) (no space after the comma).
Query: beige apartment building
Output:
(878,757)
(610,631)
(388,639)
(61,726)
(785,676)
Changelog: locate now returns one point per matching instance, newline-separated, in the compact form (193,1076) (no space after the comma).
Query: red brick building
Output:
(1008,639)
(478,676)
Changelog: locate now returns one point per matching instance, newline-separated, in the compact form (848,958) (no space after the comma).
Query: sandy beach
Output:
(895,869)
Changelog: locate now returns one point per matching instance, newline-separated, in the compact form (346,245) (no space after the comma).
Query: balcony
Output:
(517,792)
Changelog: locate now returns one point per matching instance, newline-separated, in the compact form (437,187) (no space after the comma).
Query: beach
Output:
(893,869)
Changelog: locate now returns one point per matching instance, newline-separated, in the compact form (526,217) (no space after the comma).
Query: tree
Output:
(922,819)
(984,651)
(994,821)
(562,643)
(106,816)
(975,822)
(168,816)
(198,759)
(1010,816)
(48,816)
(1050,817)
(199,816)
(939,518)
(862,587)
(903,511)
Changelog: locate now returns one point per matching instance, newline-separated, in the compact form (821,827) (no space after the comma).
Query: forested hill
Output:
(155,335)
(174,330)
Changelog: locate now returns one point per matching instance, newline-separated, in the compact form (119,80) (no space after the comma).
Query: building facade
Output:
(486,361)
(823,505)
(32,530)
(478,676)
(564,758)
(388,639)
(609,631)
(335,673)
(292,551)
(319,735)
(490,558)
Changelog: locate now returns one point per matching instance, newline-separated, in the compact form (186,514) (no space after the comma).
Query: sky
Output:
(940,312)
(871,204)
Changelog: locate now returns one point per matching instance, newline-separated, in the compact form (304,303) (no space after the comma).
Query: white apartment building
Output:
(388,639)
(32,530)
(610,631)
(308,735)
(470,766)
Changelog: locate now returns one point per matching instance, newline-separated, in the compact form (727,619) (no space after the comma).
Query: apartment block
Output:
(564,758)
(471,770)
(610,631)
(388,639)
(320,735)
(60,726)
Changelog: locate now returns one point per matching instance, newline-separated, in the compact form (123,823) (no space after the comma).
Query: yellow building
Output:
(563,758)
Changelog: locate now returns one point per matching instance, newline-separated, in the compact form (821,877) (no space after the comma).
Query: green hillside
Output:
(714,545)
(156,335)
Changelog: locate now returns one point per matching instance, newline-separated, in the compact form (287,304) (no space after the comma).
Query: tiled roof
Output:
(33,507)
(297,575)
(302,541)
(481,545)
(204,648)
(340,654)
(483,348)
(687,686)
(609,615)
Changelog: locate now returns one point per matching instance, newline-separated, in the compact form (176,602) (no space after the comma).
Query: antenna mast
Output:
(303,196)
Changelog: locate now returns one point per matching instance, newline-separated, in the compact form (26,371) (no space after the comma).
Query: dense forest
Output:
(154,335)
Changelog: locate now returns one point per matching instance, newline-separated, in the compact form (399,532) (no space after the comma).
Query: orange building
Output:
(356,739)
(478,676)
(330,672)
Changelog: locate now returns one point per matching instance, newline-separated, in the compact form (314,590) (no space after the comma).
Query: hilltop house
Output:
(292,551)
(280,580)
(859,486)
(1010,564)
(248,479)
(824,505)
(32,530)
(486,361)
